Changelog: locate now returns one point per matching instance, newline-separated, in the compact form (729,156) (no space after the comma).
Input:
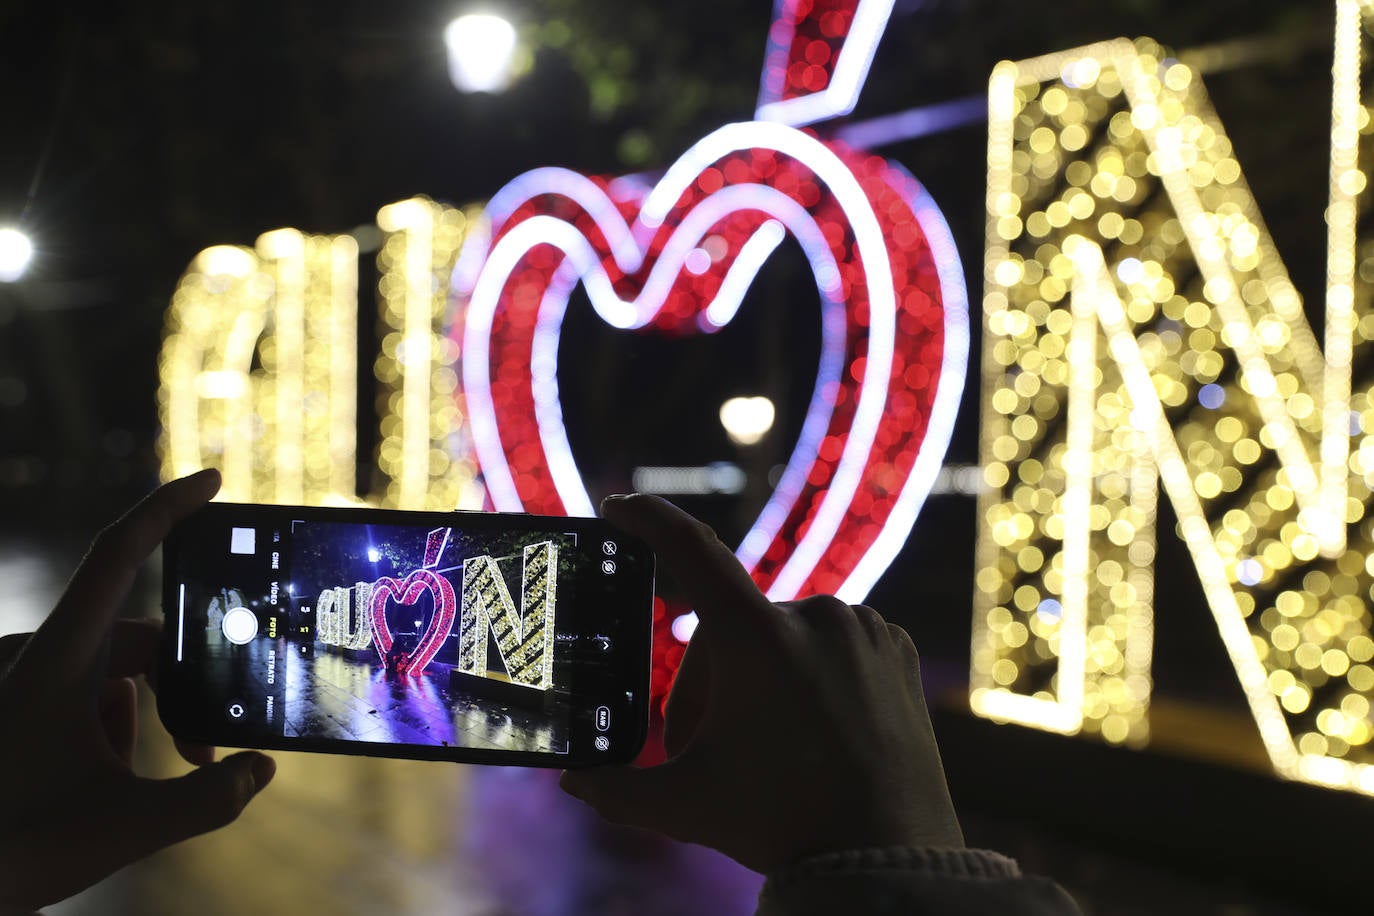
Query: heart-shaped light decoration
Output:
(679,257)
(407,591)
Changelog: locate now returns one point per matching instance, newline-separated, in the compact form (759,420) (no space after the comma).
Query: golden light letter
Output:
(1141,328)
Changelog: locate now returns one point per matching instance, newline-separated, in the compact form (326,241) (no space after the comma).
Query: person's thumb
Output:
(205,799)
(651,797)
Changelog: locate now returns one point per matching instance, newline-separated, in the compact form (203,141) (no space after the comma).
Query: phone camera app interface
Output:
(397,634)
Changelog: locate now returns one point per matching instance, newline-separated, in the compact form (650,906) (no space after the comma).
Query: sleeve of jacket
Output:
(911,882)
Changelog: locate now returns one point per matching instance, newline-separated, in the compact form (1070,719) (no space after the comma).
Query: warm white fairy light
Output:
(524,638)
(285,431)
(343,617)
(290,304)
(1210,380)
(416,364)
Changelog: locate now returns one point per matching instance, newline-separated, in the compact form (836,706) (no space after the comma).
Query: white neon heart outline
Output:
(482,271)
(544,358)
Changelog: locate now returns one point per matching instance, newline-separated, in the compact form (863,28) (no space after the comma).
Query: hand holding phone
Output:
(792,729)
(475,637)
(74,811)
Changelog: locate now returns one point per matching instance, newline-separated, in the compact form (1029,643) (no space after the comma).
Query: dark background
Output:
(135,135)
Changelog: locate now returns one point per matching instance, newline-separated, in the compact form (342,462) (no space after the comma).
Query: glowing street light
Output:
(481,52)
(746,420)
(15,253)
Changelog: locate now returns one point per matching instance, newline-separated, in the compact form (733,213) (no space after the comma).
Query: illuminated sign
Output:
(258,375)
(859,473)
(524,640)
(678,256)
(356,618)
(259,372)
(892,309)
(343,617)
(284,430)
(408,591)
(1141,328)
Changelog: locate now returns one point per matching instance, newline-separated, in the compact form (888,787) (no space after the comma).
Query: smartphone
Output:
(466,636)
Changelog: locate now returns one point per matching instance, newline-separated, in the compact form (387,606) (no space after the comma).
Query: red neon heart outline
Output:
(407,591)
(929,340)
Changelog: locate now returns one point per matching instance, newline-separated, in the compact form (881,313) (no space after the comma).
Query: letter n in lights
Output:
(524,639)
(1141,329)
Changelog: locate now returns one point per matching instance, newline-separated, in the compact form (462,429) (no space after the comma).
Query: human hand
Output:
(792,729)
(73,810)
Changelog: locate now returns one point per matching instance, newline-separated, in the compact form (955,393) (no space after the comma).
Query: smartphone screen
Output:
(477,637)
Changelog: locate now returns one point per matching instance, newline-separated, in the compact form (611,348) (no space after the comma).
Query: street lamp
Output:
(747,420)
(481,52)
(15,253)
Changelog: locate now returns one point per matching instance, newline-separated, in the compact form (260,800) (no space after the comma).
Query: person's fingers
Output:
(874,622)
(205,799)
(197,754)
(145,647)
(77,627)
(688,699)
(840,621)
(134,646)
(119,717)
(660,798)
(707,570)
(902,640)
(826,613)
(911,659)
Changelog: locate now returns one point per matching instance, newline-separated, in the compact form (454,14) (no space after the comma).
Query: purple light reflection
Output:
(409,708)
(543,853)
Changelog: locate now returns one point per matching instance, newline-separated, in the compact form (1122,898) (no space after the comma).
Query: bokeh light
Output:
(747,420)
(481,52)
(16,252)
(1141,329)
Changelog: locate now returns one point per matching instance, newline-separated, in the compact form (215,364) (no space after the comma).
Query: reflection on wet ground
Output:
(331,696)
